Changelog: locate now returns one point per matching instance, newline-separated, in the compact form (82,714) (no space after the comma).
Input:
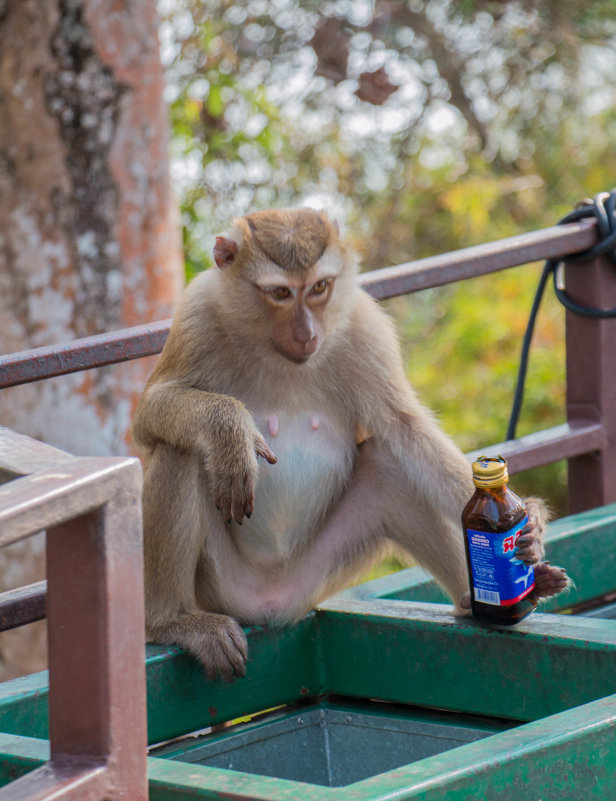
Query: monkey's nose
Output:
(310,345)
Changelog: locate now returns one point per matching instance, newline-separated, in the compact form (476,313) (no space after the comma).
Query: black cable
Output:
(603,208)
(528,335)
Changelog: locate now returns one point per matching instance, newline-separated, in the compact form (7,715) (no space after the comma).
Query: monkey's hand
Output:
(530,542)
(230,456)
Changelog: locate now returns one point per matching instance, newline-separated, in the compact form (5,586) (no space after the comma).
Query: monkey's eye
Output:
(319,287)
(280,293)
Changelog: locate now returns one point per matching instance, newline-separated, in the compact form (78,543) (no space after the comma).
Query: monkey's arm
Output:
(218,428)
(432,476)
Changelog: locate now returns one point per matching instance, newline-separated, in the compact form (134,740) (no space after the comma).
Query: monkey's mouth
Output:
(297,356)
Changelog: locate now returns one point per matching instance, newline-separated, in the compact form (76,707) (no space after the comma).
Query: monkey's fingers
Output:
(248,495)
(263,450)
(224,500)
(530,548)
(243,499)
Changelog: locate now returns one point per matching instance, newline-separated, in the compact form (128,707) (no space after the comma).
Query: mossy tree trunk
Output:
(89,238)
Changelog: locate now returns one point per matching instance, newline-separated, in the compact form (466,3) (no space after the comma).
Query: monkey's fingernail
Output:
(218,508)
(248,515)
(229,519)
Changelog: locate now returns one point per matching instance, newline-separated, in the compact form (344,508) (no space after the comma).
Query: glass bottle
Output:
(501,585)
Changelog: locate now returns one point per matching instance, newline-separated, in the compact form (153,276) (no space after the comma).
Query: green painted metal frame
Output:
(569,754)
(553,677)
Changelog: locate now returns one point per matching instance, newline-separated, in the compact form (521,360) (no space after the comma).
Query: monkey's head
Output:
(291,276)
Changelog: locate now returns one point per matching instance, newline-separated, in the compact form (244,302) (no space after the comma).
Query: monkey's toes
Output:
(530,549)
(225,652)
(550,580)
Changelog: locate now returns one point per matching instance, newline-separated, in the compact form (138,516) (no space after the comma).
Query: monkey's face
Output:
(280,268)
(296,308)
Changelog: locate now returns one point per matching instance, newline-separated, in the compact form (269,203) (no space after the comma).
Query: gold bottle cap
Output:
(490,471)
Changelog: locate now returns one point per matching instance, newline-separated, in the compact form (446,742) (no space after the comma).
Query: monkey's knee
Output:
(217,641)
(462,606)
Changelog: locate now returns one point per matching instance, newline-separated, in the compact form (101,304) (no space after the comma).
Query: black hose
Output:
(603,208)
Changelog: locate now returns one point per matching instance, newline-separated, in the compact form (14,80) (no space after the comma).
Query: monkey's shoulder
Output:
(370,325)
(368,347)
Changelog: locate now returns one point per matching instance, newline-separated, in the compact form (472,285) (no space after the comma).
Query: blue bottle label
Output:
(498,577)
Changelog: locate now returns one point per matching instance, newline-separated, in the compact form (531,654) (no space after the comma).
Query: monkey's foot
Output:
(217,641)
(550,580)
(530,548)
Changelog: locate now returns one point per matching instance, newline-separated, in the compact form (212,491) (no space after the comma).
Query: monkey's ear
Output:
(225,250)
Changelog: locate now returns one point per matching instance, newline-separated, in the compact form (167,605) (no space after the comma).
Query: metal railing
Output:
(91,510)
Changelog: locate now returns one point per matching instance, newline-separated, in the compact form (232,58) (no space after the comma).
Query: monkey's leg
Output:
(378,506)
(174,533)
(425,510)
(383,500)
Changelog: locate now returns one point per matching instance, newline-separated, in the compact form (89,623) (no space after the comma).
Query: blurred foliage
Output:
(424,127)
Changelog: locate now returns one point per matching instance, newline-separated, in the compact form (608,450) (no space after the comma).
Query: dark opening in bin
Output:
(332,744)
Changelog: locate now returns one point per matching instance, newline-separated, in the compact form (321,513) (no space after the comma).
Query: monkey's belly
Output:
(315,462)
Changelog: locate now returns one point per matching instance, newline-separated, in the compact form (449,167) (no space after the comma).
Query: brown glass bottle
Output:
(501,585)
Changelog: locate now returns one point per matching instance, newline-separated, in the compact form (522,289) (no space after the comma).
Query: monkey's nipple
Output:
(314,422)
(272,422)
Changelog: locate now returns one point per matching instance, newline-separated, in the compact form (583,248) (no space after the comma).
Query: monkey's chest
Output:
(315,461)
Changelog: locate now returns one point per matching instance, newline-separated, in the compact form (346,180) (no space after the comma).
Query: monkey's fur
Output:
(280,354)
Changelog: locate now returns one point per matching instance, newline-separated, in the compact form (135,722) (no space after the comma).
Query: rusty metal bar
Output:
(65,779)
(591,380)
(91,509)
(560,240)
(566,441)
(21,455)
(53,496)
(146,340)
(83,354)
(23,605)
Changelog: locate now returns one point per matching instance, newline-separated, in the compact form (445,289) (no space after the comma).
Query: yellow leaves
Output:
(470,203)
(483,203)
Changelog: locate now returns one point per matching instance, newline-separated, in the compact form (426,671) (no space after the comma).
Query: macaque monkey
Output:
(285,450)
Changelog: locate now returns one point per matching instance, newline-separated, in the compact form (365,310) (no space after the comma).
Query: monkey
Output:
(284,450)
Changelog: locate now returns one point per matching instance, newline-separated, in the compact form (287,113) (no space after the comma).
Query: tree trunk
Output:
(89,236)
